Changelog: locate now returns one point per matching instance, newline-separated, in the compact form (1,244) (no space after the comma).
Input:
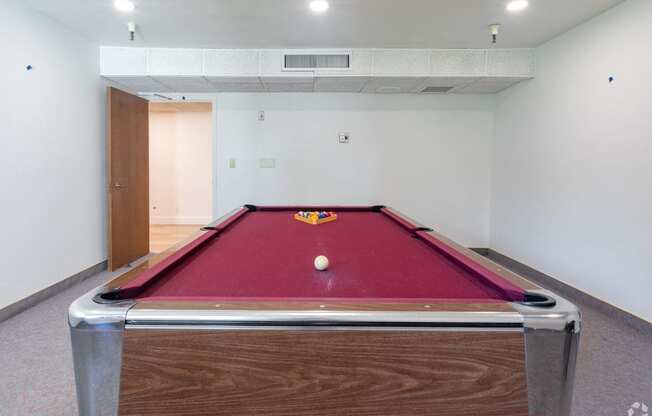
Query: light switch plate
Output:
(344,138)
(261,116)
(267,163)
(232,163)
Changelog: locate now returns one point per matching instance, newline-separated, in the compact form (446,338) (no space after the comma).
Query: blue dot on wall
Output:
(29,67)
(612,79)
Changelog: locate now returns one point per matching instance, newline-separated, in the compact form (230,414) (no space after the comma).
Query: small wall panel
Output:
(510,62)
(123,61)
(458,62)
(179,62)
(323,373)
(231,62)
(401,62)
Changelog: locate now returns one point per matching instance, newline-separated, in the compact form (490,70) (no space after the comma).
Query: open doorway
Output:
(180,171)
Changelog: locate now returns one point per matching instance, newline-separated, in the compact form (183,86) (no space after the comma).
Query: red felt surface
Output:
(269,255)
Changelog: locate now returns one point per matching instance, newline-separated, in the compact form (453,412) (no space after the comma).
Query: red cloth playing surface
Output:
(269,255)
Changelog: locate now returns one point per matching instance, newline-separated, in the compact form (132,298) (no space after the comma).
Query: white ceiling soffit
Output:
(375,71)
(348,23)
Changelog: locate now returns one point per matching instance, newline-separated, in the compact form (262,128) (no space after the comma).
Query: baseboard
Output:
(179,220)
(567,291)
(38,297)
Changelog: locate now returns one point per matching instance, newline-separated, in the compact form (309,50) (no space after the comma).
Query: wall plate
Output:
(267,163)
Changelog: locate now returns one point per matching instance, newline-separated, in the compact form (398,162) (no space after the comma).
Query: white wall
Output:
(52,215)
(572,187)
(572,176)
(180,156)
(428,156)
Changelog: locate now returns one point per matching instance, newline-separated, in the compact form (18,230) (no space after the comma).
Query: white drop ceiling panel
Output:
(138,84)
(455,82)
(490,85)
(340,84)
(236,84)
(288,84)
(185,84)
(393,85)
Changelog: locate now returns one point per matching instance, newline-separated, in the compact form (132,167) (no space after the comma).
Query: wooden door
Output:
(128,177)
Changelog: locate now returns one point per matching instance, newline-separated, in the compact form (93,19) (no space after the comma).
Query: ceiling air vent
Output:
(304,62)
(436,90)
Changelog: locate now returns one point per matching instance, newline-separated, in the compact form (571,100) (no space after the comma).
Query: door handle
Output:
(118,186)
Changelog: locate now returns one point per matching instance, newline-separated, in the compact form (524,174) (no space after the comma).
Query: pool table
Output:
(238,321)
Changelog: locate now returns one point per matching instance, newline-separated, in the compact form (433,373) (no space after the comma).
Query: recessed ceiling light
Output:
(517,5)
(319,6)
(124,5)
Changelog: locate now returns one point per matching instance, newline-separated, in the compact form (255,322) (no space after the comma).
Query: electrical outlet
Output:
(261,116)
(344,138)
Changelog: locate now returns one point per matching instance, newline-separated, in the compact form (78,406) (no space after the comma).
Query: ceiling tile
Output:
(184,84)
(455,82)
(139,84)
(289,84)
(340,84)
(393,85)
(489,85)
(236,84)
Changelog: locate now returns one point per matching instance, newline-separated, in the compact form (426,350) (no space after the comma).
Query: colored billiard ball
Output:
(321,263)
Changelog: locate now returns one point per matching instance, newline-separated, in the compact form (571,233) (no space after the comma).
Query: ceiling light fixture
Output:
(124,5)
(319,6)
(517,5)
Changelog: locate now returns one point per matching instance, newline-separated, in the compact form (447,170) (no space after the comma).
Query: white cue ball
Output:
(321,263)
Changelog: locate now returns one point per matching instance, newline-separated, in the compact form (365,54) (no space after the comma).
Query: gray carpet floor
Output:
(36,376)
